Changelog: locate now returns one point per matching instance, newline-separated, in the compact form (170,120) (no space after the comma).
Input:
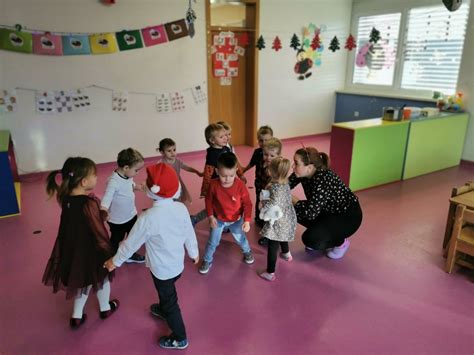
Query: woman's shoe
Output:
(338,252)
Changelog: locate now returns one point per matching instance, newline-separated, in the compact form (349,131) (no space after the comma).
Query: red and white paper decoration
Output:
(225,57)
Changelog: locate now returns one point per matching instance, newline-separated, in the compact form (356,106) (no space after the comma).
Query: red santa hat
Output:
(162,180)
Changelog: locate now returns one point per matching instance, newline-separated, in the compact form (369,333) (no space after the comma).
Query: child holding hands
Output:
(82,244)
(166,231)
(228,205)
(264,133)
(119,199)
(167,148)
(279,214)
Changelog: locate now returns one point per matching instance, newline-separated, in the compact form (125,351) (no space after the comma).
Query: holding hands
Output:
(294,199)
(140,187)
(213,222)
(109,265)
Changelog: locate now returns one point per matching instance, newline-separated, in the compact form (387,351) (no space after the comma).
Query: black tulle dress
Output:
(80,249)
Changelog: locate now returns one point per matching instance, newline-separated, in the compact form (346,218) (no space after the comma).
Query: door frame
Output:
(251,90)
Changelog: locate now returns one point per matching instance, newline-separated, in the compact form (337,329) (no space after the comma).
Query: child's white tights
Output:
(103,295)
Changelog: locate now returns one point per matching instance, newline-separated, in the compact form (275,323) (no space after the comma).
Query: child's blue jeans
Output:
(216,234)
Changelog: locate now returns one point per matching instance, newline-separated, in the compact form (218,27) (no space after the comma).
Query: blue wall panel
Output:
(369,106)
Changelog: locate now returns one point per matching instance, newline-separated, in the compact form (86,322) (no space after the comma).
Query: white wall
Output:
(43,142)
(293,107)
(466,84)
(290,106)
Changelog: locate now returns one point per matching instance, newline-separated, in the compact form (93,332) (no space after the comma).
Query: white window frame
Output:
(363,8)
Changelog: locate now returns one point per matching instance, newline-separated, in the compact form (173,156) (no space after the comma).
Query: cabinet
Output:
(9,180)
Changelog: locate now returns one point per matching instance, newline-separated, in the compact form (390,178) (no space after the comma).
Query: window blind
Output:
(433,47)
(380,62)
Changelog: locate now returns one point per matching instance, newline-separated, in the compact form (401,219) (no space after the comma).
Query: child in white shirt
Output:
(119,199)
(166,230)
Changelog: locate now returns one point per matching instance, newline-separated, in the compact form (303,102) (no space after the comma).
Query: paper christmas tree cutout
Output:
(276,44)
(295,42)
(334,45)
(374,35)
(260,43)
(316,42)
(350,43)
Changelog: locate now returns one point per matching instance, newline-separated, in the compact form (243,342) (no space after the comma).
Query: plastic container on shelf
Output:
(415,112)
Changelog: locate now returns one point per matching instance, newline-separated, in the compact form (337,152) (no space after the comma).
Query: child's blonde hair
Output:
(211,130)
(279,169)
(226,126)
(264,130)
(273,143)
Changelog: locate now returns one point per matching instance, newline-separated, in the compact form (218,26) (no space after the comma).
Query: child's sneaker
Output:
(114,305)
(338,252)
(136,258)
(169,343)
(205,266)
(248,258)
(156,311)
(308,248)
(286,256)
(267,275)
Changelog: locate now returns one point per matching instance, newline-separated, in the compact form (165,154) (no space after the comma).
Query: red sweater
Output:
(228,204)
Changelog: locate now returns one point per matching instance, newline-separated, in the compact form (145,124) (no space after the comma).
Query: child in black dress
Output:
(82,245)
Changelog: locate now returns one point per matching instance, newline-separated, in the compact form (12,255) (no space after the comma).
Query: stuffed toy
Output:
(271,214)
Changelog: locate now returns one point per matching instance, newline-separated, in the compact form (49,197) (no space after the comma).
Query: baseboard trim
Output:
(191,154)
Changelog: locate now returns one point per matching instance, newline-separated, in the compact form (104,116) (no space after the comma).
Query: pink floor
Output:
(389,294)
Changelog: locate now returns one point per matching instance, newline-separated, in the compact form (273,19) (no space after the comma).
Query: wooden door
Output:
(235,103)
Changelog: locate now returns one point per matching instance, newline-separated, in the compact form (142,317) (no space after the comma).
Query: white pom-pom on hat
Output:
(162,180)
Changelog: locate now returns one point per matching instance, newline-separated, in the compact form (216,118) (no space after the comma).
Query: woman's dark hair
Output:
(165,143)
(129,157)
(227,160)
(310,155)
(73,171)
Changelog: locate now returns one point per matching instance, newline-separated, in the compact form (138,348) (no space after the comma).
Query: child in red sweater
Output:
(228,205)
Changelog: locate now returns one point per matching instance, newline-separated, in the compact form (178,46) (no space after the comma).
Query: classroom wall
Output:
(293,107)
(43,142)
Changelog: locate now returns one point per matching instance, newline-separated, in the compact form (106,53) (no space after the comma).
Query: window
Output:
(433,48)
(429,48)
(375,63)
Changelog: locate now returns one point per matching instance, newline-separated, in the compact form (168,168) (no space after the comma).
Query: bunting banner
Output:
(76,45)
(47,43)
(16,41)
(64,44)
(104,43)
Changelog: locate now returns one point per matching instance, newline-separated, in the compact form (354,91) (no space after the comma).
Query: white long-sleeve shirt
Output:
(166,230)
(119,199)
